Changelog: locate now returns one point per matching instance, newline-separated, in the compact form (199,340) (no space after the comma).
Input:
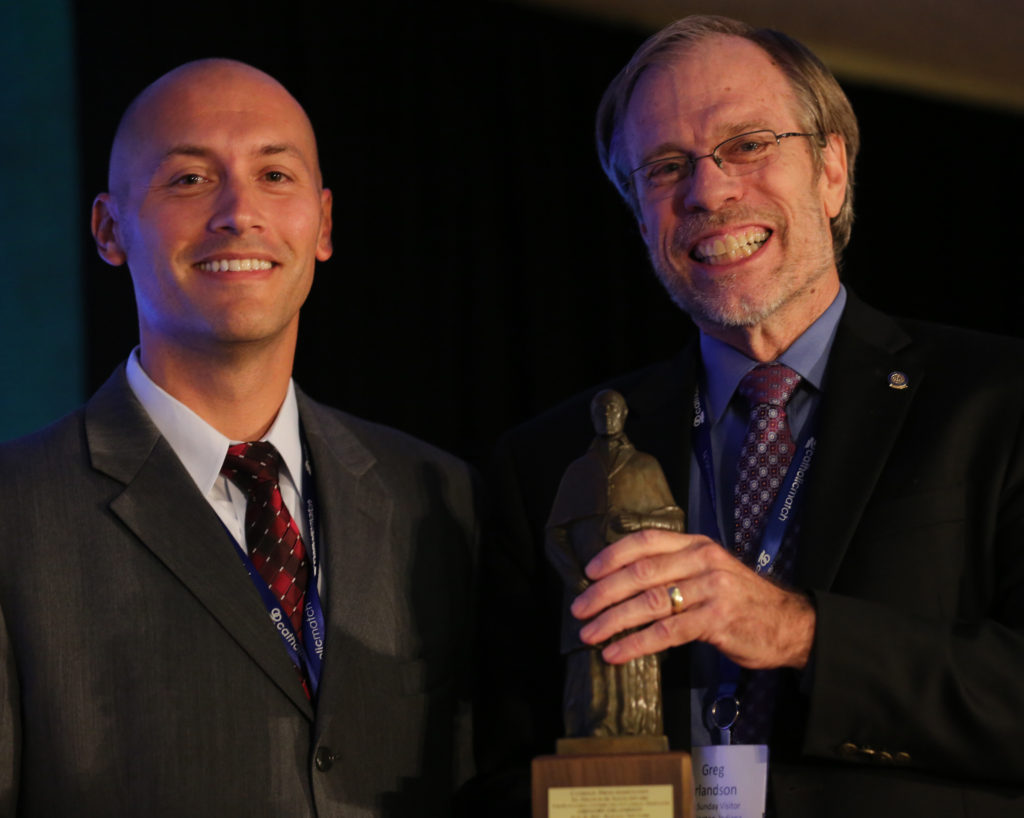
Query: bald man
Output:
(219,597)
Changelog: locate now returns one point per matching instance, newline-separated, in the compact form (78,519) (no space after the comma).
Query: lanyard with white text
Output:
(307,654)
(723,707)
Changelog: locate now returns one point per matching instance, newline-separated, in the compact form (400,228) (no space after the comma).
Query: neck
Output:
(760,343)
(238,390)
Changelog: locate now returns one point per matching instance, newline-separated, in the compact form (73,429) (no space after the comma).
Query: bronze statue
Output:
(610,491)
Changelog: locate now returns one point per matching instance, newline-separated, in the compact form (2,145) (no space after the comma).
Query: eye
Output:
(276,176)
(189,179)
(751,146)
(747,147)
(666,171)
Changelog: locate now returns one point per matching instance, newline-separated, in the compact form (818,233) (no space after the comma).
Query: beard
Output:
(721,300)
(716,303)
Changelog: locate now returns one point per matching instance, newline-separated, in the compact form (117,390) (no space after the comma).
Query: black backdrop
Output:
(484,268)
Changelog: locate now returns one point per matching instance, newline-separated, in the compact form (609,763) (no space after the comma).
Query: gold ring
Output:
(675,596)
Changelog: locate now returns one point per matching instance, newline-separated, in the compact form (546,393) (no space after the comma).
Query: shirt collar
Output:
(201,448)
(725,366)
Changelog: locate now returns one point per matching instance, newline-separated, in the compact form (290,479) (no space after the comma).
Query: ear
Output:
(832,181)
(104,230)
(324,246)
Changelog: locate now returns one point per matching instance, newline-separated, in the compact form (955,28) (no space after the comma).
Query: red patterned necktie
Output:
(763,462)
(766,453)
(271,536)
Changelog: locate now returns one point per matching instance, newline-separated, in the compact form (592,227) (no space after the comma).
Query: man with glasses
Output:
(850,592)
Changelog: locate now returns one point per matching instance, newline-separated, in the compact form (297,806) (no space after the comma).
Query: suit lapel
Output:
(354,516)
(355,513)
(162,507)
(859,420)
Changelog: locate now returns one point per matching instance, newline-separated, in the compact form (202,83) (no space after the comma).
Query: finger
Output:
(635,578)
(643,609)
(772,631)
(695,557)
(660,636)
(647,542)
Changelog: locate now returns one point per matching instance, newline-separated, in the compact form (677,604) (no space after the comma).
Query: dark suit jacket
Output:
(140,672)
(911,542)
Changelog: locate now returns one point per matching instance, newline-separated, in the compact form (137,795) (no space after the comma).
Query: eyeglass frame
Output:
(693,160)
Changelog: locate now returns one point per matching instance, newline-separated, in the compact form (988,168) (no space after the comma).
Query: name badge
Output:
(730,781)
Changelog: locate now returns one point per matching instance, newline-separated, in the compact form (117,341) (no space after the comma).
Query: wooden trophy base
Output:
(628,776)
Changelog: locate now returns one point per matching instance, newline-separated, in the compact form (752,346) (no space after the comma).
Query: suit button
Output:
(885,757)
(848,749)
(903,758)
(324,759)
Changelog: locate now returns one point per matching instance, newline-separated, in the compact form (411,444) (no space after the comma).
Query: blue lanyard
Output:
(307,654)
(722,709)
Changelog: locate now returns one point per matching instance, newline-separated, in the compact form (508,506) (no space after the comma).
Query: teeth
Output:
(234,265)
(723,249)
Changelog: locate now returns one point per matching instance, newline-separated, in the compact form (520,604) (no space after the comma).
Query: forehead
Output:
(718,88)
(225,114)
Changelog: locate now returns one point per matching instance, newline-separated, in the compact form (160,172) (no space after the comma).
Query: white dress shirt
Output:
(202,449)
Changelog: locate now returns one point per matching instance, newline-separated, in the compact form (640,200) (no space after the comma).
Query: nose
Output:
(709,188)
(236,208)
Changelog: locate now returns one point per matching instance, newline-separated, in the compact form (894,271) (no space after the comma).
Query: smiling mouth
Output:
(234,265)
(730,247)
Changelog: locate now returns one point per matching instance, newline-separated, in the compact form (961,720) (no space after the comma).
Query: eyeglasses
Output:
(736,156)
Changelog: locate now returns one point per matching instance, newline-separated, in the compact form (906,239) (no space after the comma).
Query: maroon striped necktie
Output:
(271,535)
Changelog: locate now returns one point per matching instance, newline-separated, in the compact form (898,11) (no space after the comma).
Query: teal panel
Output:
(41,218)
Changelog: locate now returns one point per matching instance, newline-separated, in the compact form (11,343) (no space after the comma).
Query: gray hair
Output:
(823,105)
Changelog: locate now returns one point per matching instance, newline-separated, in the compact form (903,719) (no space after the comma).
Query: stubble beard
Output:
(715,302)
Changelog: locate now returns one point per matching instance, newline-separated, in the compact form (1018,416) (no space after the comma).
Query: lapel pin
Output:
(898,380)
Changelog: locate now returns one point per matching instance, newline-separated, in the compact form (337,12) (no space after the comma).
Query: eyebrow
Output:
(272,149)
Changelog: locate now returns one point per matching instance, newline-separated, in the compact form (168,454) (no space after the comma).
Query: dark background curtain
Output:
(484,268)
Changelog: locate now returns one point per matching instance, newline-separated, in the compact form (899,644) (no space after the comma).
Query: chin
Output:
(717,303)
(725,312)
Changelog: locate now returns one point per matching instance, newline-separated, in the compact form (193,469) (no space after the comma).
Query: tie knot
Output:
(250,465)
(771,383)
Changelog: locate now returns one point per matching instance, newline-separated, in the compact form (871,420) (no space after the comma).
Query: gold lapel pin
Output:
(898,380)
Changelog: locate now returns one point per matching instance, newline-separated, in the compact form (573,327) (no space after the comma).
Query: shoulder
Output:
(960,385)
(359,440)
(937,346)
(978,351)
(54,450)
(411,468)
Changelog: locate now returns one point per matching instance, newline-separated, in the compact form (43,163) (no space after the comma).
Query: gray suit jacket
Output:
(139,671)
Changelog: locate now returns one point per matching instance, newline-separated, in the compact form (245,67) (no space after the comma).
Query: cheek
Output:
(302,234)
(301,216)
(656,225)
(157,232)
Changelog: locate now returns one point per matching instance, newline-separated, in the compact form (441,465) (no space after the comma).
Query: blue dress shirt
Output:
(722,368)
